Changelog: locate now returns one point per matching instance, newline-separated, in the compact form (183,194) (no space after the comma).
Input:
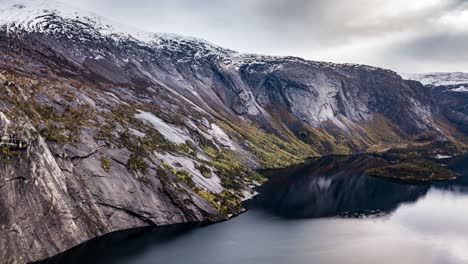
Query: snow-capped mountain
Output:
(124,128)
(438,78)
(55,18)
(455,82)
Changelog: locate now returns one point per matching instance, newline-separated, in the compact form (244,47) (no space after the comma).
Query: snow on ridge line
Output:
(437,78)
(461,89)
(34,16)
(37,15)
(28,15)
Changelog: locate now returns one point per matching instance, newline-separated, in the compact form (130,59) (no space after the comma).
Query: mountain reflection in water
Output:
(334,186)
(325,211)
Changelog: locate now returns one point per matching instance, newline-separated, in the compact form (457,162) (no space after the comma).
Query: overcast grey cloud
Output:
(404,35)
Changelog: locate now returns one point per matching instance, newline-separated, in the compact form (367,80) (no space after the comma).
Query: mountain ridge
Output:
(438,78)
(44,16)
(123,133)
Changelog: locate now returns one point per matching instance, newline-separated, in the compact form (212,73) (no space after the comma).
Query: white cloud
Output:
(456,21)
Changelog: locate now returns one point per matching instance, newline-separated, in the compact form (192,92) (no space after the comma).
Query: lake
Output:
(325,211)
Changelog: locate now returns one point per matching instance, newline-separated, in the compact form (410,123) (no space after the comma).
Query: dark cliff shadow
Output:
(118,246)
(337,187)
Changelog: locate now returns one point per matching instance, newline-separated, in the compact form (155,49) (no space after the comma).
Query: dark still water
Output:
(322,212)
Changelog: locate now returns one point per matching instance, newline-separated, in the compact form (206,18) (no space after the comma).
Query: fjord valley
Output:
(106,128)
(324,211)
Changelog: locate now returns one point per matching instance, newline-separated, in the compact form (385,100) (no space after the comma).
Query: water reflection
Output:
(336,186)
(287,223)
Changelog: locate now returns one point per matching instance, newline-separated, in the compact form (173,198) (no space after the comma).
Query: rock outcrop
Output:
(132,129)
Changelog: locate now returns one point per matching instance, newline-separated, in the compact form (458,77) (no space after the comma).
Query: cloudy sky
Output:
(404,35)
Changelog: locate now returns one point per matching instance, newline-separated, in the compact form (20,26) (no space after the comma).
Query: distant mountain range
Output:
(106,128)
(439,78)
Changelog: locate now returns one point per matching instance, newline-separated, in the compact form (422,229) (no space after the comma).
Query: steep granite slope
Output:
(105,129)
(449,89)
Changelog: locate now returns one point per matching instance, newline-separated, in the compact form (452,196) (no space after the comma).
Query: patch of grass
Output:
(230,170)
(6,151)
(186,178)
(54,133)
(169,168)
(210,151)
(272,151)
(105,132)
(106,164)
(229,203)
(225,202)
(414,169)
(144,180)
(204,170)
(162,173)
(209,196)
(188,148)
(136,163)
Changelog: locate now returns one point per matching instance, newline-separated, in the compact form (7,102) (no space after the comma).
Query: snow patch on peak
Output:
(53,17)
(33,15)
(56,18)
(461,89)
(437,78)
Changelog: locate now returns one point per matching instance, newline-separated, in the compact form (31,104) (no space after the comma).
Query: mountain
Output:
(105,127)
(449,89)
(438,78)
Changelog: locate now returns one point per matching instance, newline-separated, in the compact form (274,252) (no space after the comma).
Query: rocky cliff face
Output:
(449,89)
(105,129)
